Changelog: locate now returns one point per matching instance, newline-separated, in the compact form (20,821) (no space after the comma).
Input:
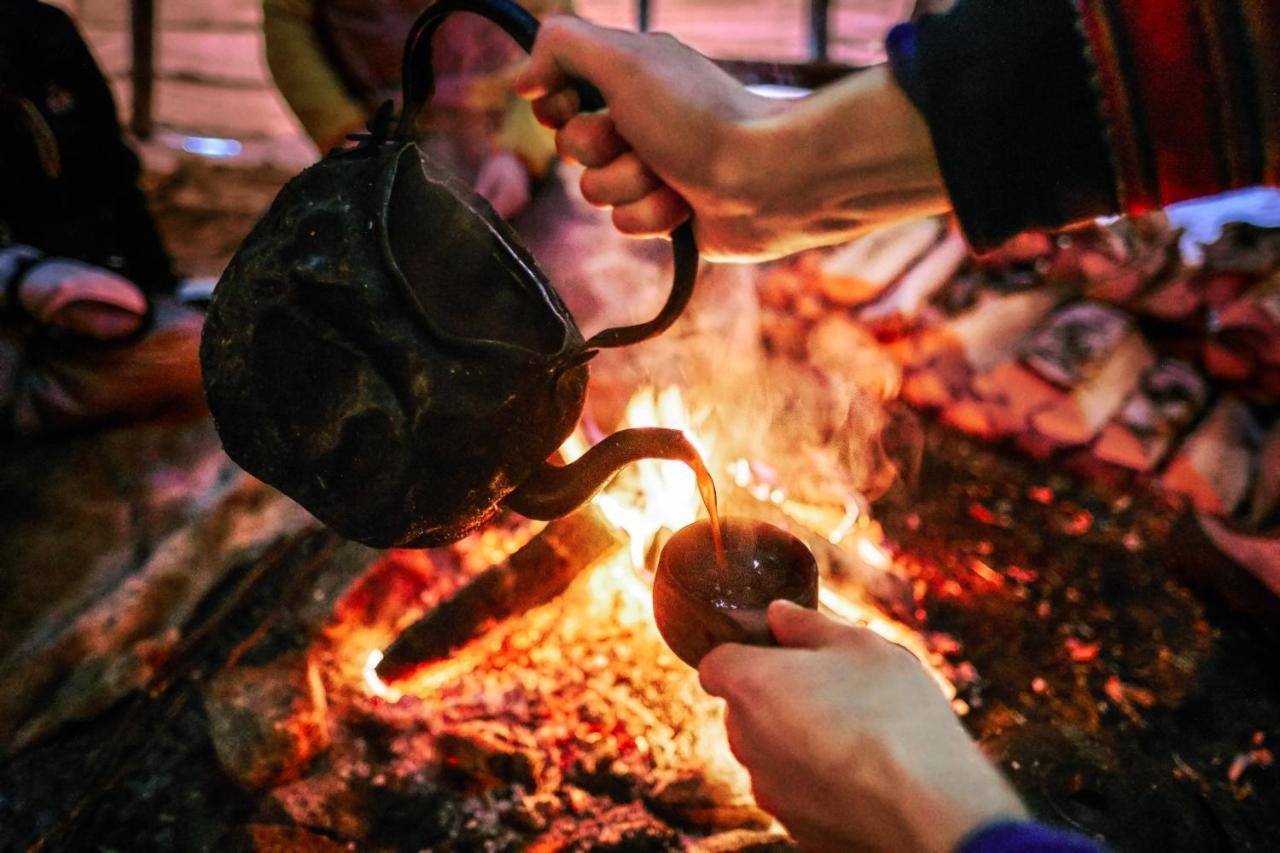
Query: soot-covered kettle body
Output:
(382,349)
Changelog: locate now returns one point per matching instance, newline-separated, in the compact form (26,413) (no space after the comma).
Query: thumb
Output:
(794,626)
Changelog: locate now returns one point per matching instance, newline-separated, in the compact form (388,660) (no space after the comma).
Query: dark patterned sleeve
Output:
(1047,112)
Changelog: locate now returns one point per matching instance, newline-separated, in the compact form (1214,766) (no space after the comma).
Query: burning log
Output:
(860,270)
(268,722)
(1171,395)
(913,291)
(533,575)
(691,800)
(1215,464)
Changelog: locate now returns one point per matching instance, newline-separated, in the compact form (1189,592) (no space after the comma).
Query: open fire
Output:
(1117,693)
(579,693)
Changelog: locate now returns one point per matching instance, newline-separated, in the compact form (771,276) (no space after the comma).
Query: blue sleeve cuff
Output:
(1020,836)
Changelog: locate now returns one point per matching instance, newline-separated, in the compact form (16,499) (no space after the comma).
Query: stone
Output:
(268,722)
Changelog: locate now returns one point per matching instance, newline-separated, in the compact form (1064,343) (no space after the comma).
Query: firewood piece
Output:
(268,838)
(1233,363)
(938,385)
(1076,342)
(1177,300)
(943,360)
(1250,324)
(746,841)
(1077,418)
(859,270)
(1214,465)
(1244,248)
(533,575)
(982,336)
(780,285)
(917,286)
(1168,398)
(1266,491)
(1004,400)
(1148,263)
(990,331)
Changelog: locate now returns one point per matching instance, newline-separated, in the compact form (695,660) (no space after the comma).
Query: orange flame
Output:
(654,495)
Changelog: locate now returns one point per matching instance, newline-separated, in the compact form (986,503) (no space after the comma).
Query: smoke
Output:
(819,420)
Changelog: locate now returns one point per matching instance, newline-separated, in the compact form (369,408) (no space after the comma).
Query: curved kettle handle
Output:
(523,27)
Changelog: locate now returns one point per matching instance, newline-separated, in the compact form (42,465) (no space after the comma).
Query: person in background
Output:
(1014,116)
(86,331)
(336,61)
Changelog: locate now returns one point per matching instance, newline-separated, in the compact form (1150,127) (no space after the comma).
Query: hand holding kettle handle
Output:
(419,84)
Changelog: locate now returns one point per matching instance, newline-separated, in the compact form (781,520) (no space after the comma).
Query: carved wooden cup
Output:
(699,603)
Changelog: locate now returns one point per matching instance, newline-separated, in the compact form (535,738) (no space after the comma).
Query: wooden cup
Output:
(699,603)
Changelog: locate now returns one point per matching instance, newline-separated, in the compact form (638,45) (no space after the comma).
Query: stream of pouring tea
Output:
(707,489)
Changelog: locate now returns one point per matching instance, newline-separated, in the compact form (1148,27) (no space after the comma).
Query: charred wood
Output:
(533,575)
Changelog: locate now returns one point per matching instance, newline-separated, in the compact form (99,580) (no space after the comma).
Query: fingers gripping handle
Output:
(418,81)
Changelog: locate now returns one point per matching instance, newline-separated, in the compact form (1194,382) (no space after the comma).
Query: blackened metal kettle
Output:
(383,350)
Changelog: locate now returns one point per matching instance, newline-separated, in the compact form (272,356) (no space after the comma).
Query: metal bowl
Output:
(699,603)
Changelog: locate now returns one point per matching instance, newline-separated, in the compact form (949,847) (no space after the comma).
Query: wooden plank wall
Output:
(212,78)
(211,75)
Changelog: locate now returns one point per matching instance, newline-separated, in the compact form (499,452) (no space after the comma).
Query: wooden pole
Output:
(142,24)
(819,35)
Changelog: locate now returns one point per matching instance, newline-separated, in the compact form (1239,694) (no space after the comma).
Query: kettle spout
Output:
(553,491)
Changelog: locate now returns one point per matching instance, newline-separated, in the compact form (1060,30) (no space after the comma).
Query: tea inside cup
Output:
(700,601)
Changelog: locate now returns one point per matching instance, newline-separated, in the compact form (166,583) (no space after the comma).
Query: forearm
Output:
(854,155)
